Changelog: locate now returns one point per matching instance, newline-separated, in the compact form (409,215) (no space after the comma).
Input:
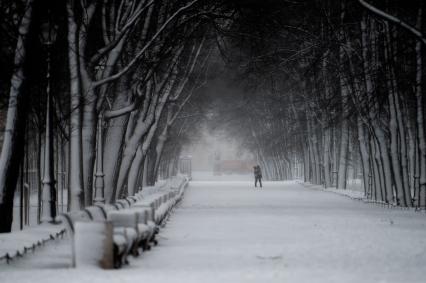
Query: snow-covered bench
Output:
(122,241)
(150,218)
(119,241)
(160,203)
(139,235)
(163,206)
(133,223)
(99,237)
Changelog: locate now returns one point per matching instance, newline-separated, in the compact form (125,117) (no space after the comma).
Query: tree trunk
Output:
(75,190)
(114,140)
(159,149)
(421,201)
(343,155)
(397,176)
(378,172)
(386,165)
(14,134)
(134,173)
(344,128)
(397,129)
(88,135)
(326,157)
(131,147)
(363,150)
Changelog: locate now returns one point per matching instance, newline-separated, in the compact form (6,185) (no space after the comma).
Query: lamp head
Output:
(48,33)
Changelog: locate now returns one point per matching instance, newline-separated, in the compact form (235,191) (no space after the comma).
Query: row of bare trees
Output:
(333,88)
(339,89)
(122,73)
(371,72)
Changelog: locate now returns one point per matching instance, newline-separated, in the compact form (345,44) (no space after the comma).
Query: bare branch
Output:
(394,20)
(142,51)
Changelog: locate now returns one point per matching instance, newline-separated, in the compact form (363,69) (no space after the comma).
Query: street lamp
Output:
(48,37)
(99,174)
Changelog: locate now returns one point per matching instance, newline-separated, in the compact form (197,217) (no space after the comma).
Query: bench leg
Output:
(135,250)
(145,245)
(118,258)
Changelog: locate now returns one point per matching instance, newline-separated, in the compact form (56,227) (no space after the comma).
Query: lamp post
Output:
(48,36)
(99,174)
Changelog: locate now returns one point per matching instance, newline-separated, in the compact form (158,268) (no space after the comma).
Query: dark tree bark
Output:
(13,145)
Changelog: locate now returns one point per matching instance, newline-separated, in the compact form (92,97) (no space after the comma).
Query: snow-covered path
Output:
(231,232)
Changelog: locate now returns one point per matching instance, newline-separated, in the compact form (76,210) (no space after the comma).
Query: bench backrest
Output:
(96,213)
(123,218)
(74,216)
(150,216)
(123,203)
(108,207)
(132,199)
(142,213)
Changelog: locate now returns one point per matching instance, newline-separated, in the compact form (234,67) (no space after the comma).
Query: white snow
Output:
(227,231)
(354,194)
(20,243)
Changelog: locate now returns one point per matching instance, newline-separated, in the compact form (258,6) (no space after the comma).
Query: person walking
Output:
(257,176)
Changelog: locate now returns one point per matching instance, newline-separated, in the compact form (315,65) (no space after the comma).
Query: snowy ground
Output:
(227,231)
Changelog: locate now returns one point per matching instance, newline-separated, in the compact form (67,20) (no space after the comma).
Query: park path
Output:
(228,231)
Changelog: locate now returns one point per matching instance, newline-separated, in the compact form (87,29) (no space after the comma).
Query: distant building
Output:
(233,167)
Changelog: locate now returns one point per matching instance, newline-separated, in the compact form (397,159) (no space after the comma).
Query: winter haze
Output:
(212,141)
